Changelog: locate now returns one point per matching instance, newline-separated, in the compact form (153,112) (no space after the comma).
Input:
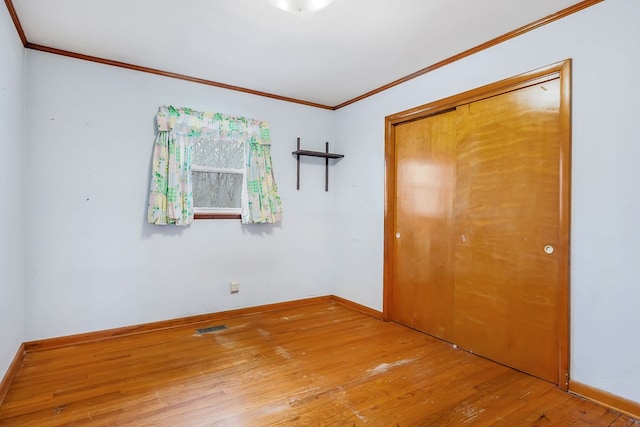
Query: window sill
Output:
(203,215)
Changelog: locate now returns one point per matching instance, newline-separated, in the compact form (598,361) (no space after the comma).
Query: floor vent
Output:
(211,329)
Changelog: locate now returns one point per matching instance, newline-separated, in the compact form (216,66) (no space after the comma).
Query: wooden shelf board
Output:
(318,154)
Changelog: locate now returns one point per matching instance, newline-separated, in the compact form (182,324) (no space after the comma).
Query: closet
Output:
(477,221)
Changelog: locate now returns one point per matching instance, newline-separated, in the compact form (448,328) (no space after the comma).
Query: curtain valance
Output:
(215,125)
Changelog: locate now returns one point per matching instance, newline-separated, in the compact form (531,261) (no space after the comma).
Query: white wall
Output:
(11,144)
(92,260)
(605,289)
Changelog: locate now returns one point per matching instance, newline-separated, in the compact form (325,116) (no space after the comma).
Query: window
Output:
(217,173)
(224,160)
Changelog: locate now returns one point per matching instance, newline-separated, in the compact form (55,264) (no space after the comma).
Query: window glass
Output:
(217,171)
(208,152)
(216,190)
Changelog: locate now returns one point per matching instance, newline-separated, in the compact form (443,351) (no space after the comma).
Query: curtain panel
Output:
(171,195)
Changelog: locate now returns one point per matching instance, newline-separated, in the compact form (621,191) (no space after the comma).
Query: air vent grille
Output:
(211,329)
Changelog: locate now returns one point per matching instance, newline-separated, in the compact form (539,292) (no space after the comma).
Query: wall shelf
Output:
(326,155)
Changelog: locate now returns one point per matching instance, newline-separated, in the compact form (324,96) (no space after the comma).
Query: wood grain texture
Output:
(357,307)
(12,370)
(507,205)
(321,364)
(71,340)
(607,399)
(424,275)
(529,78)
(216,216)
(548,75)
(389,230)
(564,300)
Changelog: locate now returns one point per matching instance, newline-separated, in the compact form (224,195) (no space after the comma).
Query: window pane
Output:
(218,153)
(216,190)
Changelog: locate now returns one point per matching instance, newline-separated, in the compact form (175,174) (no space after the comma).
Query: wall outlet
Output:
(234,287)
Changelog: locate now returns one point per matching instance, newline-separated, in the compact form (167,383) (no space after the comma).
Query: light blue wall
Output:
(603,41)
(11,147)
(94,263)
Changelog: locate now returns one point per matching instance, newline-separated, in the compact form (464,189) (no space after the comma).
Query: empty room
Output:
(320,212)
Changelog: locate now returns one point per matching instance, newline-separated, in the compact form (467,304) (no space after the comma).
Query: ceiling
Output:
(326,58)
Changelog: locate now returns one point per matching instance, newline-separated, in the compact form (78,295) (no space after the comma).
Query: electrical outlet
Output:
(234,287)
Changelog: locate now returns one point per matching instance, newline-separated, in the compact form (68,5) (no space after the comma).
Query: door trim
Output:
(561,70)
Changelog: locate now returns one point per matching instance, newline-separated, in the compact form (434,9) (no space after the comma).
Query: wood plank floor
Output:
(319,365)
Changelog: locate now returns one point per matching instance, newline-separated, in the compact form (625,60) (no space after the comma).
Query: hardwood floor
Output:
(317,365)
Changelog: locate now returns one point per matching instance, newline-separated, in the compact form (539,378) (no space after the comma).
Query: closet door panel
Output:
(422,296)
(507,225)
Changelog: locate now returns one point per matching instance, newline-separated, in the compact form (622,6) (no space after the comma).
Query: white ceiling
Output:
(339,53)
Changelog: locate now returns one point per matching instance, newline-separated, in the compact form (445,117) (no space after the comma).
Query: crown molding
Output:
(508,36)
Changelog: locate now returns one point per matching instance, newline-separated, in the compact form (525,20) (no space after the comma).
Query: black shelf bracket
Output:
(326,155)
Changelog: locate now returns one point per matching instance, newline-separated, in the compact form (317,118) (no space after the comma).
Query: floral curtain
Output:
(261,203)
(171,196)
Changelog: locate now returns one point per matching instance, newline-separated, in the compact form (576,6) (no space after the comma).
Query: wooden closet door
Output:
(477,221)
(507,229)
(422,295)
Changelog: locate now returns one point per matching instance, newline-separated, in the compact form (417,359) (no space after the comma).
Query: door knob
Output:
(548,249)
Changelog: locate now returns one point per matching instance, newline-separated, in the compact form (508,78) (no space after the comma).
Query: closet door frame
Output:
(560,70)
